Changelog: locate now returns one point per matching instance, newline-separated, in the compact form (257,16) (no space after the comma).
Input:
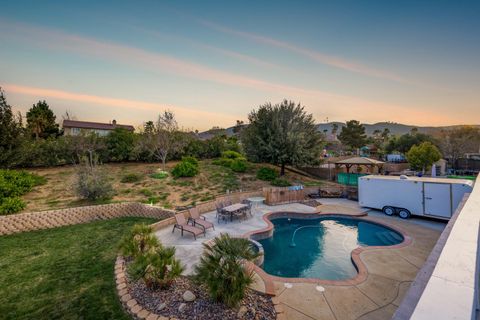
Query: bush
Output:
(138,241)
(222,270)
(130,178)
(191,160)
(153,263)
(231,155)
(184,169)
(239,165)
(11,205)
(279,182)
(92,182)
(159,175)
(267,174)
(14,184)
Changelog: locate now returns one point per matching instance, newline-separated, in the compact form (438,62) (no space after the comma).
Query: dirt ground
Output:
(212,180)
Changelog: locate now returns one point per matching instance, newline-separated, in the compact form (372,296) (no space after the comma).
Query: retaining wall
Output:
(23,222)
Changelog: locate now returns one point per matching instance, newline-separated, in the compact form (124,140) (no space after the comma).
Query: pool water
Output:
(321,248)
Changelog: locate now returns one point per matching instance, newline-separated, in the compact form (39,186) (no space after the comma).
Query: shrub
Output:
(159,175)
(138,241)
(279,182)
(153,263)
(11,205)
(222,270)
(191,160)
(92,182)
(130,178)
(14,184)
(225,162)
(184,169)
(231,155)
(267,174)
(239,165)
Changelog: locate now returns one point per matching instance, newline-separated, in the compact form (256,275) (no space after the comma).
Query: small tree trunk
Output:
(282,170)
(164,160)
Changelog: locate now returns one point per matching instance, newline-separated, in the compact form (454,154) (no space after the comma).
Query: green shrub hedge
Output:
(279,182)
(239,165)
(267,174)
(14,184)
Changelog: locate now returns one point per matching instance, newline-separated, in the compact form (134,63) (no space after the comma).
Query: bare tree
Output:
(456,142)
(164,138)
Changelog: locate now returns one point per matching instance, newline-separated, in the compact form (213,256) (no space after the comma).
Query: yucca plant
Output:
(138,241)
(222,269)
(157,268)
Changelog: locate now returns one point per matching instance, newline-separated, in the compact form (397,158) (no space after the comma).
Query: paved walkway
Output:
(390,271)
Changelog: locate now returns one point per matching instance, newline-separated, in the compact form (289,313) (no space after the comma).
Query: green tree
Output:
(353,134)
(421,157)
(282,134)
(41,121)
(405,142)
(10,131)
(120,143)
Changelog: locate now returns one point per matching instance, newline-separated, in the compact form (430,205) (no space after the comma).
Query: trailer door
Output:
(438,199)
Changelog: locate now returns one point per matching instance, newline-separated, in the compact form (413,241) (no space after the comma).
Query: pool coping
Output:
(362,271)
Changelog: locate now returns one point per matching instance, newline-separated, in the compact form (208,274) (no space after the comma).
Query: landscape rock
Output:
(242,312)
(182,307)
(161,306)
(188,296)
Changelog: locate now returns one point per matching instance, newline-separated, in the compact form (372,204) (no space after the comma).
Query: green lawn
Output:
(63,273)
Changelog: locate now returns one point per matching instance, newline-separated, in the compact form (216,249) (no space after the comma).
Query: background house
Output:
(74,127)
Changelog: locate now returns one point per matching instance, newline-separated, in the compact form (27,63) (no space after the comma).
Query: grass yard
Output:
(63,273)
(134,182)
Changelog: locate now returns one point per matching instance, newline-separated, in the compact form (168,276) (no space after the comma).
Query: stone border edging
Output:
(362,273)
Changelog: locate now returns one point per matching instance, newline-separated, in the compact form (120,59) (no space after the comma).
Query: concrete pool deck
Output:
(390,271)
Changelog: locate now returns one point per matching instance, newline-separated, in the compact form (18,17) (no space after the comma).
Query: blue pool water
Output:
(321,248)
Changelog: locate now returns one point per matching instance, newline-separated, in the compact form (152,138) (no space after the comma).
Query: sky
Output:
(213,62)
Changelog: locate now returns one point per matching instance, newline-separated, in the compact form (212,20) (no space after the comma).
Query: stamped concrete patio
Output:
(390,270)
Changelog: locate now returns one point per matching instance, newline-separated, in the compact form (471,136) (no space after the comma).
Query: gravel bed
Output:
(167,302)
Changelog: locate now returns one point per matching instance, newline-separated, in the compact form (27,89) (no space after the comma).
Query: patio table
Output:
(231,209)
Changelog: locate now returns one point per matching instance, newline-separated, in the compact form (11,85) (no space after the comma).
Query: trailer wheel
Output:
(389,211)
(404,213)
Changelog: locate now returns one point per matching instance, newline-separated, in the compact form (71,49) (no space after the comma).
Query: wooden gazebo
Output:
(359,161)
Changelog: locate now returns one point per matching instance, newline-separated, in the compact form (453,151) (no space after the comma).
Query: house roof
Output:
(360,160)
(95,125)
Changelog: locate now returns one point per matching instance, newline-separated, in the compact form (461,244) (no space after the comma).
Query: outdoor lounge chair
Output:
(182,224)
(197,219)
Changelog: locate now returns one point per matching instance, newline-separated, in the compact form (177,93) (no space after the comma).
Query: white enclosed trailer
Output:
(422,196)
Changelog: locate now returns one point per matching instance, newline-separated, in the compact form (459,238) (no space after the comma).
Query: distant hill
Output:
(395,129)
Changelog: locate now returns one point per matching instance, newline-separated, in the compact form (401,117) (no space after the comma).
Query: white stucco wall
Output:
(451,292)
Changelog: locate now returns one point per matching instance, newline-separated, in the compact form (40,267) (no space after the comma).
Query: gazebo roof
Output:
(360,161)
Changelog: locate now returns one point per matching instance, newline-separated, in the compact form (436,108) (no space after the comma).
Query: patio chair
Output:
(221,214)
(182,224)
(197,219)
(248,210)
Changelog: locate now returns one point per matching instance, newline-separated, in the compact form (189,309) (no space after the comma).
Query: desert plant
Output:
(161,268)
(278,182)
(139,241)
(130,178)
(184,169)
(239,165)
(267,174)
(92,182)
(222,269)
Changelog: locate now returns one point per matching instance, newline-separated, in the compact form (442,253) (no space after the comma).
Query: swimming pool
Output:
(320,247)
